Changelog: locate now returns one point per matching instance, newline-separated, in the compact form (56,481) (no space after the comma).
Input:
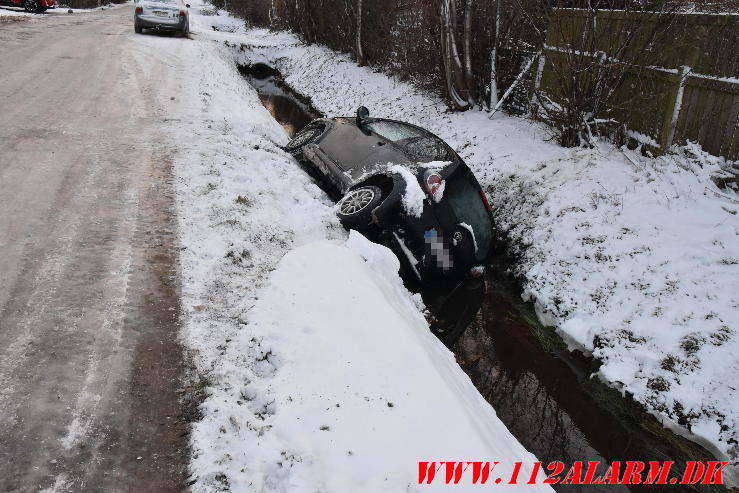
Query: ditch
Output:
(541,391)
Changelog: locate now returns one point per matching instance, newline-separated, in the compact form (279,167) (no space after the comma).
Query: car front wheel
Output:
(355,208)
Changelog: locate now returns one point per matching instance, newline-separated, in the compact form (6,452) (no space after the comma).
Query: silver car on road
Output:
(164,15)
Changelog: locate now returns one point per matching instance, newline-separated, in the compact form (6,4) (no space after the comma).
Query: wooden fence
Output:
(687,90)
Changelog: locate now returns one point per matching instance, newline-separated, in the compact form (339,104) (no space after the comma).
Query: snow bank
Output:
(346,388)
(277,350)
(635,260)
(10,13)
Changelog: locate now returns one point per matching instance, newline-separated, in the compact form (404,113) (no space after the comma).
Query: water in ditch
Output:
(542,392)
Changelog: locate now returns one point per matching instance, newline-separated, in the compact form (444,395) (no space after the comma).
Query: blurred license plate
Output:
(161,14)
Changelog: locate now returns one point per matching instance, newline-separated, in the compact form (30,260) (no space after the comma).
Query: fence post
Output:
(509,91)
(672,112)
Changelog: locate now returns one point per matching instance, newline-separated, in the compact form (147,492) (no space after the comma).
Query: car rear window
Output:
(415,142)
(394,131)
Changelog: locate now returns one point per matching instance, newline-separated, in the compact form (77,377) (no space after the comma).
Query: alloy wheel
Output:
(356,200)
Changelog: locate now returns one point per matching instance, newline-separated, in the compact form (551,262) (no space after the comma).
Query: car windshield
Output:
(167,2)
(415,142)
(465,201)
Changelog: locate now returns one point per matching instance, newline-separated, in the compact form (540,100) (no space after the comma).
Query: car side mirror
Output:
(187,5)
(362,116)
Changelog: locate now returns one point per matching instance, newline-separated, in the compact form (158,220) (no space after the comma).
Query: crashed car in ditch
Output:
(406,184)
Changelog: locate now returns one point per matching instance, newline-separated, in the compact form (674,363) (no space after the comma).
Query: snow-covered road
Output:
(89,306)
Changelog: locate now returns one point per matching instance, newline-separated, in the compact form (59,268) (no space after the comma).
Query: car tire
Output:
(137,28)
(301,139)
(355,208)
(32,6)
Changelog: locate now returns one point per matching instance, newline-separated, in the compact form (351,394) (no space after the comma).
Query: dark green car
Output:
(406,183)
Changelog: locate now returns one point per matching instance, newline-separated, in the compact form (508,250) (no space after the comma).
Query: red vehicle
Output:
(33,6)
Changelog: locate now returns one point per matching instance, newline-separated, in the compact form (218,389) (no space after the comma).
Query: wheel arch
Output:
(381,181)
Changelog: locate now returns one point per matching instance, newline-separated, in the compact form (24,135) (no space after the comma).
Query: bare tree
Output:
(494,59)
(360,54)
(469,77)
(457,77)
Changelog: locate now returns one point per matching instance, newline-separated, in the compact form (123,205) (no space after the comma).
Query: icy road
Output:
(89,364)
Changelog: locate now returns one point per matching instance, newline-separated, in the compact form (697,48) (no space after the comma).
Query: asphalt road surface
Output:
(89,361)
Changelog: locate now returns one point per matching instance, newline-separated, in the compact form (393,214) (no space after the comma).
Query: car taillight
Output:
(485,201)
(434,185)
(183,13)
(139,10)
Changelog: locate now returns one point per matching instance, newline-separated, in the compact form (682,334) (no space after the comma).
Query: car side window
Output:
(416,142)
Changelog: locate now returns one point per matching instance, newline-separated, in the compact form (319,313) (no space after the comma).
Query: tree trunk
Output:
(469,79)
(494,59)
(451,33)
(360,54)
(452,65)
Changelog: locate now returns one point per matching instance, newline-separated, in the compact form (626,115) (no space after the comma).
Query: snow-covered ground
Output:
(10,14)
(319,368)
(635,260)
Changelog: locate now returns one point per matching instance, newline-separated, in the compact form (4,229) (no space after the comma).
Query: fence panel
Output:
(708,107)
(710,115)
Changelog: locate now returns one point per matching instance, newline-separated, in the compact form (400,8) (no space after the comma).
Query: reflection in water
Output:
(501,372)
(547,400)
(501,369)
(292,113)
(452,311)
(544,397)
